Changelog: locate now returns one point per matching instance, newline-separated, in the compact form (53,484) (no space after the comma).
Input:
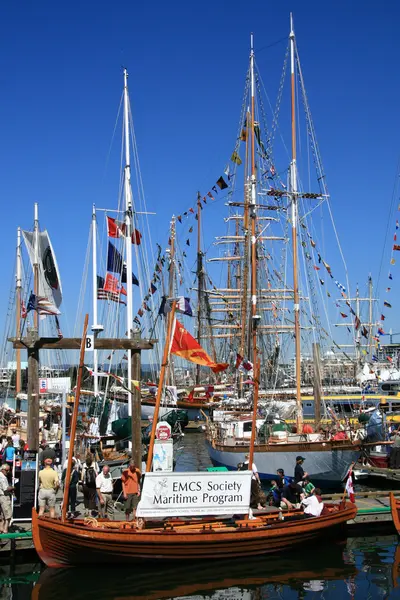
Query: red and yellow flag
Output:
(185,346)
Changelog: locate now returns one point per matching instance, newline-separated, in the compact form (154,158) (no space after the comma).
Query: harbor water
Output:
(356,567)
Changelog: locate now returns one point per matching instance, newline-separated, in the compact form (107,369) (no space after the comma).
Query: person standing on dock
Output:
(15,438)
(104,487)
(299,474)
(90,470)
(48,486)
(9,452)
(131,489)
(5,499)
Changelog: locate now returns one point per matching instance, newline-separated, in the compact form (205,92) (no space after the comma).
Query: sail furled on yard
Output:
(49,276)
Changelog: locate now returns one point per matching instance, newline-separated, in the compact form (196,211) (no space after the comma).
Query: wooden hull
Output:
(395,508)
(65,544)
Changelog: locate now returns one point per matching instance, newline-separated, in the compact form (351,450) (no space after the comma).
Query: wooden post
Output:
(136,407)
(166,355)
(317,384)
(33,394)
(74,421)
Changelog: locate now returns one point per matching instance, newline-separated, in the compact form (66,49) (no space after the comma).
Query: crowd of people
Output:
(286,493)
(97,486)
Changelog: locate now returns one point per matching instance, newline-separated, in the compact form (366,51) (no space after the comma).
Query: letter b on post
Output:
(89,343)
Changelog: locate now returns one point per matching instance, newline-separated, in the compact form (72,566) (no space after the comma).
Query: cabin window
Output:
(247,427)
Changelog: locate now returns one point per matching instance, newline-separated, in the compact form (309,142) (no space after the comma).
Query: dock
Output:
(372,508)
(382,473)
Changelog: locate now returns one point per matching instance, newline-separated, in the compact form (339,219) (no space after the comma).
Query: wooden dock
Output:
(382,473)
(372,508)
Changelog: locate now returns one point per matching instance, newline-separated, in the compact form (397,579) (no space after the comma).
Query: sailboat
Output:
(36,298)
(228,433)
(63,542)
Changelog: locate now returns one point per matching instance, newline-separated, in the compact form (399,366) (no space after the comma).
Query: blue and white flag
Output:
(340,286)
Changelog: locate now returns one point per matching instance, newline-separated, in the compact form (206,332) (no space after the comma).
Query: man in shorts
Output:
(131,489)
(48,486)
(5,498)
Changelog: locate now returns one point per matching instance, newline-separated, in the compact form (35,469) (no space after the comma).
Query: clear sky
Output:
(60,88)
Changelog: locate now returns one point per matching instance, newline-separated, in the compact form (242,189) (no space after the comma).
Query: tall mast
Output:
(18,289)
(358,332)
(253,217)
(36,263)
(171,294)
(96,328)
(128,234)
(246,246)
(370,313)
(293,189)
(200,283)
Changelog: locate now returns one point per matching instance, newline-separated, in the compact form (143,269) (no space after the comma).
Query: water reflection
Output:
(359,568)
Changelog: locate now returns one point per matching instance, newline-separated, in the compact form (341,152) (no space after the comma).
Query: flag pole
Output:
(74,420)
(164,364)
(253,217)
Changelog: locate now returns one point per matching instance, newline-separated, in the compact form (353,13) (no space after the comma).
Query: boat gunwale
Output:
(80,530)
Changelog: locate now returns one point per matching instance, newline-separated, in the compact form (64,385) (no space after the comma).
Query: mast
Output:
(293,189)
(18,290)
(358,332)
(370,307)
(171,292)
(164,364)
(200,282)
(74,421)
(36,263)
(128,235)
(95,326)
(245,248)
(253,216)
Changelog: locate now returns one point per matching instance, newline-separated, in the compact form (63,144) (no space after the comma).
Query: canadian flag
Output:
(349,485)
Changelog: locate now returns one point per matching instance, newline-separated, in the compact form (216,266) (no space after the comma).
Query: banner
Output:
(190,494)
(49,276)
(54,385)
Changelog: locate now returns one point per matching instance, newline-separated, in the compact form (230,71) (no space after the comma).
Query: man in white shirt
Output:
(104,487)
(312,506)
(255,498)
(15,438)
(5,499)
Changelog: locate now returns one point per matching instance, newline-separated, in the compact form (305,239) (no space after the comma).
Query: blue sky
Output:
(61,81)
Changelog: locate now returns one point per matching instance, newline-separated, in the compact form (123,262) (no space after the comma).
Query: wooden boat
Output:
(61,544)
(395,508)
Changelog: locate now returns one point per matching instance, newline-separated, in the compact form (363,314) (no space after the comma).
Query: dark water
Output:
(363,567)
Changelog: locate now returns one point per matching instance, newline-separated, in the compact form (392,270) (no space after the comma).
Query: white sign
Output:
(163,431)
(163,456)
(56,385)
(89,343)
(190,494)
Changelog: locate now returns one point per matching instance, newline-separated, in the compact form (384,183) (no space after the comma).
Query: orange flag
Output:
(185,346)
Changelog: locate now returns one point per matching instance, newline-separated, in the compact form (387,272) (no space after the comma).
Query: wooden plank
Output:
(136,410)
(33,398)
(47,343)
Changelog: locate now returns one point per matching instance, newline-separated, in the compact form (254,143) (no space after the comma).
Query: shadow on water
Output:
(199,579)
(358,568)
